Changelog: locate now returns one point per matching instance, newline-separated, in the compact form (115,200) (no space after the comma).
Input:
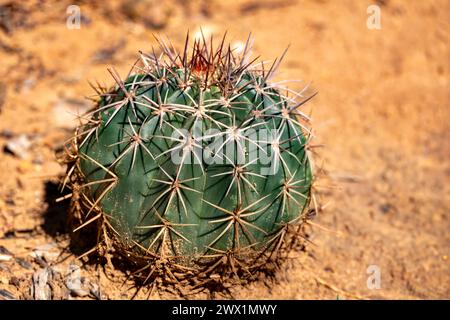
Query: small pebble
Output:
(5,251)
(24,264)
(14,281)
(5,257)
(47,252)
(5,254)
(19,146)
(40,289)
(95,291)
(77,285)
(6,133)
(6,295)
(4,268)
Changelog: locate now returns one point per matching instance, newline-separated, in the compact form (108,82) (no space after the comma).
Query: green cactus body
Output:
(193,161)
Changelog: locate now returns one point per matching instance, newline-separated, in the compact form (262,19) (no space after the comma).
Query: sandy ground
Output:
(382,118)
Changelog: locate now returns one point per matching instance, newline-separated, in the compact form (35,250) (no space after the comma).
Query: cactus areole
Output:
(194,165)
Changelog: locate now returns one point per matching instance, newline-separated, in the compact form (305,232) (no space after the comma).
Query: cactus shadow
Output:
(55,216)
(56,220)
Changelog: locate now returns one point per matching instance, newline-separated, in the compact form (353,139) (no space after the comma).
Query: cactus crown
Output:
(194,164)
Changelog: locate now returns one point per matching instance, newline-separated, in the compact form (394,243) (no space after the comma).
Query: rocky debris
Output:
(46,253)
(19,146)
(386,208)
(5,254)
(15,281)
(54,283)
(47,284)
(78,286)
(24,263)
(41,290)
(6,295)
(4,268)
(5,257)
(6,133)
(95,291)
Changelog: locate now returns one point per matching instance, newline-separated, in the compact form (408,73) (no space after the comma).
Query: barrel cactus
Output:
(194,167)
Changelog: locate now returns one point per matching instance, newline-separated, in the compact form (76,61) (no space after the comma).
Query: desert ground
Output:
(381,123)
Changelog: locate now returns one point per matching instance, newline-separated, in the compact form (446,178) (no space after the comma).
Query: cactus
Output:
(194,165)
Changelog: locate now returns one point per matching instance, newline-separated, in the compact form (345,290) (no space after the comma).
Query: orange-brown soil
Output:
(381,118)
